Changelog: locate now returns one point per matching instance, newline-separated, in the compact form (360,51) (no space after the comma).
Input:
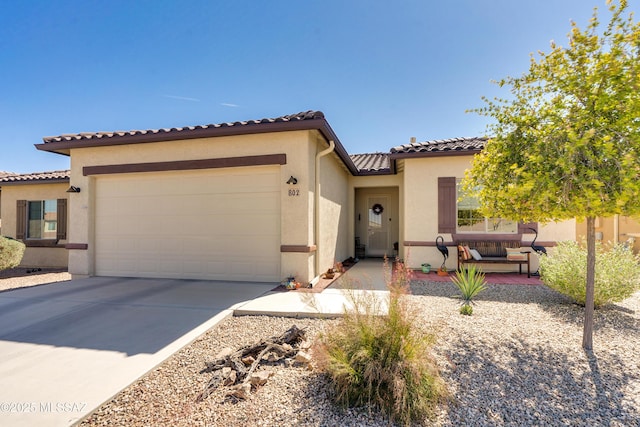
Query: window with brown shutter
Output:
(447,205)
(448,211)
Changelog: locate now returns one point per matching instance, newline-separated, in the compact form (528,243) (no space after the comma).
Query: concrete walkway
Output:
(366,275)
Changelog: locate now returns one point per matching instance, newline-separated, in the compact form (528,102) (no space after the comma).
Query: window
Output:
(470,220)
(42,219)
(460,214)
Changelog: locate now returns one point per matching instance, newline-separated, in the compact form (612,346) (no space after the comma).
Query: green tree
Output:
(566,144)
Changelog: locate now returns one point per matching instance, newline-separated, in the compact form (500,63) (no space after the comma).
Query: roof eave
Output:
(375,172)
(320,124)
(35,181)
(444,153)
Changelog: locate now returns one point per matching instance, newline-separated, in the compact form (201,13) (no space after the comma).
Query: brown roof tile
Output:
(35,177)
(443,146)
(372,163)
(306,115)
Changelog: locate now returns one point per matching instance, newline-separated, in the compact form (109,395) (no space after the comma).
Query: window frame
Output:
(22,223)
(477,219)
(448,215)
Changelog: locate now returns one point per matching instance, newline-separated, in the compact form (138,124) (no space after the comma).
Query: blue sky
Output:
(381,71)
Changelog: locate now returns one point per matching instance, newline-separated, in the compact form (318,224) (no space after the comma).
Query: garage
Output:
(215,224)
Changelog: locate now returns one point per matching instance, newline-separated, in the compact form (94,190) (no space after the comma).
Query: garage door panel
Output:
(219,225)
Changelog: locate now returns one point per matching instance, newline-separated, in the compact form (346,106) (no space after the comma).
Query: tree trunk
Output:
(587,336)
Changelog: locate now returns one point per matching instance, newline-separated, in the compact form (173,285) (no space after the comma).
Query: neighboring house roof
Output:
(307,120)
(440,147)
(372,163)
(36,177)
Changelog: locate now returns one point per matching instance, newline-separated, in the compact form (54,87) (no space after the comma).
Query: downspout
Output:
(316,210)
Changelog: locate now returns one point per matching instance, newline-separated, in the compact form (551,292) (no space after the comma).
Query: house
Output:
(33,209)
(615,229)
(262,200)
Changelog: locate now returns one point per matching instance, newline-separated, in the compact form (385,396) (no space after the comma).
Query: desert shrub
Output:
(617,272)
(466,309)
(11,252)
(382,360)
(470,282)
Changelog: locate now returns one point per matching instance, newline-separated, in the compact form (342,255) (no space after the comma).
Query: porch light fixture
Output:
(73,189)
(292,181)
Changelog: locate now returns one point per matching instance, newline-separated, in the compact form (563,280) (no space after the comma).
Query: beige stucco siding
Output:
(34,256)
(421,210)
(334,213)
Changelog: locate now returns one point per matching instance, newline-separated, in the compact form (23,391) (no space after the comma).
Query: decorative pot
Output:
(426,268)
(442,272)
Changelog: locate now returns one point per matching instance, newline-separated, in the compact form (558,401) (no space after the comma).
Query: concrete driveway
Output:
(67,347)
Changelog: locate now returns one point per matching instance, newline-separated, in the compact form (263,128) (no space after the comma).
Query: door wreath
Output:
(377,209)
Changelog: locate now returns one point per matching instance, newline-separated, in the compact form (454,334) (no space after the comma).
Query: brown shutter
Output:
(523,227)
(61,225)
(21,219)
(447,217)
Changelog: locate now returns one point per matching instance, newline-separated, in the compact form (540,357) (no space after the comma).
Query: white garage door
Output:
(221,224)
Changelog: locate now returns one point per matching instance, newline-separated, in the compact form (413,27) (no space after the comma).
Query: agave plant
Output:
(470,282)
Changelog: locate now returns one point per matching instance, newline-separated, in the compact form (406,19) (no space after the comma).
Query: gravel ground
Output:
(516,361)
(24,277)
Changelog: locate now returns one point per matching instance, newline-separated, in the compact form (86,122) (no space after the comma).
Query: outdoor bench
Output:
(494,252)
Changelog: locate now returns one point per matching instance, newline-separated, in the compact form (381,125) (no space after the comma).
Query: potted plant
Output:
(329,274)
(426,267)
(442,271)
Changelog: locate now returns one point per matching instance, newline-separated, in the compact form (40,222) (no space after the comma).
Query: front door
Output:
(378,226)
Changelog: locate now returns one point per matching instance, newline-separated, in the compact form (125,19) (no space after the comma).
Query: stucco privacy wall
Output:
(421,211)
(296,220)
(627,228)
(33,256)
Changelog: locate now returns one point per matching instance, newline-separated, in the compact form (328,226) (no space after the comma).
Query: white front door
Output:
(378,226)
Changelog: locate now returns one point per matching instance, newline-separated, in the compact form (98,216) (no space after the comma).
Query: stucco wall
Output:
(333,215)
(33,256)
(421,212)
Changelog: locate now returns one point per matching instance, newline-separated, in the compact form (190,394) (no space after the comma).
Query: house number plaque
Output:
(294,192)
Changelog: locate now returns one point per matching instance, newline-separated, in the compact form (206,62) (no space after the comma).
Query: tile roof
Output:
(371,163)
(306,120)
(36,177)
(298,117)
(442,146)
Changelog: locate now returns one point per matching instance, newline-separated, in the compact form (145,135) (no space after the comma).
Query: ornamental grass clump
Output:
(11,252)
(471,282)
(617,272)
(375,356)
